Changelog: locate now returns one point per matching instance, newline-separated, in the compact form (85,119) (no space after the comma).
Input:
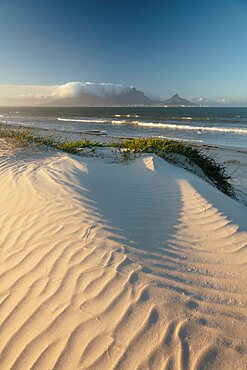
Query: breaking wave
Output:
(180,139)
(186,118)
(120,122)
(127,115)
(85,120)
(185,127)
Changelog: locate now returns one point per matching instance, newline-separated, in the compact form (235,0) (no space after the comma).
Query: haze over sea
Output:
(215,126)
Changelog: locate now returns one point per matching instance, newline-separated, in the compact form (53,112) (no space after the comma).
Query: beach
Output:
(219,132)
(108,265)
(123,185)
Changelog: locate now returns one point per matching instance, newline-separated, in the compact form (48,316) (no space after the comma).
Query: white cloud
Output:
(223,100)
(28,94)
(25,94)
(75,89)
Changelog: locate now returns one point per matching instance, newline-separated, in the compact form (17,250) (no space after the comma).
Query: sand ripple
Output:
(109,266)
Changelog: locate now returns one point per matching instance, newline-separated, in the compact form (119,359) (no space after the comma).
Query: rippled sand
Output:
(112,266)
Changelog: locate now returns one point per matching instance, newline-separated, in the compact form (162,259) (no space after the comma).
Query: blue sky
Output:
(196,48)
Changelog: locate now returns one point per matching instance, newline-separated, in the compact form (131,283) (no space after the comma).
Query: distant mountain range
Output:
(177,101)
(125,97)
(94,94)
(84,94)
(106,94)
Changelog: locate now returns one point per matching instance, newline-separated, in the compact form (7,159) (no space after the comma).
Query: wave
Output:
(185,127)
(127,115)
(85,120)
(187,118)
(180,139)
(120,122)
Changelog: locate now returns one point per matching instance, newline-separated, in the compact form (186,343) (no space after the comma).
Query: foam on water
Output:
(85,120)
(127,115)
(187,127)
(180,139)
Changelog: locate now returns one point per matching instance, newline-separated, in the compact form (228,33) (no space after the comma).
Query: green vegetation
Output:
(75,146)
(24,137)
(19,136)
(214,171)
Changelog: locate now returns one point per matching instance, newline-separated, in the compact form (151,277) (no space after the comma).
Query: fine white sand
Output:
(113,266)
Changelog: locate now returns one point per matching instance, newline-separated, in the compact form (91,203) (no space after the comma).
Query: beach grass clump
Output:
(213,170)
(20,136)
(75,146)
(23,137)
(26,137)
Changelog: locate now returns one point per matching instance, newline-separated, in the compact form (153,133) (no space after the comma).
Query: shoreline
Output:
(234,159)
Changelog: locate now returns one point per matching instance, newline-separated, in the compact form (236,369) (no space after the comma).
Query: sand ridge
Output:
(112,266)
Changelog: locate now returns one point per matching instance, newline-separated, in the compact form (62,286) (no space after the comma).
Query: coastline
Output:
(232,158)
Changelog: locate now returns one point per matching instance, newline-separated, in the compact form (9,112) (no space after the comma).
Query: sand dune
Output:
(111,266)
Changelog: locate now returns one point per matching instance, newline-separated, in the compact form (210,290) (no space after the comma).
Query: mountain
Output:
(100,95)
(177,101)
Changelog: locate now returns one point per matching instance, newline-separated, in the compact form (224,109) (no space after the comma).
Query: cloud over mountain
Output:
(91,94)
(77,89)
(72,93)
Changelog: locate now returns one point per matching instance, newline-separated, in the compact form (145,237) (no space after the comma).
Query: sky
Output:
(194,48)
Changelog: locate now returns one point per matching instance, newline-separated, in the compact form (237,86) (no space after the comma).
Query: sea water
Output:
(215,126)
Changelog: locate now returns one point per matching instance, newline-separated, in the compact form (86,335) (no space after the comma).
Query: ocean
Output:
(214,126)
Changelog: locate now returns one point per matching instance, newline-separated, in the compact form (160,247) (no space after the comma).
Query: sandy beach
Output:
(118,266)
(123,185)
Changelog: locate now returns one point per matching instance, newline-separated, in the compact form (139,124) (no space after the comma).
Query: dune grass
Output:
(214,171)
(24,137)
(161,147)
